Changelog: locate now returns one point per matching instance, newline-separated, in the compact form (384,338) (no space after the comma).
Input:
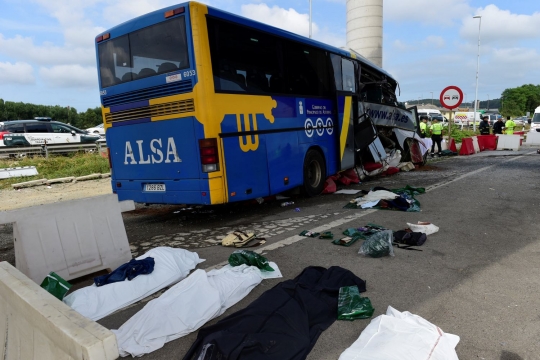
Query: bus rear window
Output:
(157,49)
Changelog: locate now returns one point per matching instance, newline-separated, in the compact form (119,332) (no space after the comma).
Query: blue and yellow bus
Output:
(205,107)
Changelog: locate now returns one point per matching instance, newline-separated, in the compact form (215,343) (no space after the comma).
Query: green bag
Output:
(347,240)
(378,245)
(326,235)
(352,306)
(309,233)
(250,258)
(55,285)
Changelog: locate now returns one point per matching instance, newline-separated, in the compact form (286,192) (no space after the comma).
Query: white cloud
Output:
(439,12)
(18,73)
(434,41)
(23,48)
(123,10)
(71,76)
(501,26)
(289,20)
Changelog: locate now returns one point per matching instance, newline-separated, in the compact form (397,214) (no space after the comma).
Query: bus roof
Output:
(157,16)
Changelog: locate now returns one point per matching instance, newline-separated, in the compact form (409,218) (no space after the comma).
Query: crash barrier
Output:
(46,149)
(487,142)
(467,147)
(72,238)
(36,325)
(533,138)
(476,146)
(508,142)
(452,145)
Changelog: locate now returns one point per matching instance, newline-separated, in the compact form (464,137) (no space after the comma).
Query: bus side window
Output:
(336,65)
(347,68)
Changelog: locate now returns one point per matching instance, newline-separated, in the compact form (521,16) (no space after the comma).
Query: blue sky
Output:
(47,51)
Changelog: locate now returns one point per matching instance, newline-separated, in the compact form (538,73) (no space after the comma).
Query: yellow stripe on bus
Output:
(345,126)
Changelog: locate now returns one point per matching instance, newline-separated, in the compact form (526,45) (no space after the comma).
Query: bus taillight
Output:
(209,155)
(170,13)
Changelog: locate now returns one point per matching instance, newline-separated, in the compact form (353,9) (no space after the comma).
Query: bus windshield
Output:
(157,49)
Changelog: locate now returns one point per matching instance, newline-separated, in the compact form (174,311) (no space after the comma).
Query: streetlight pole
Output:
(431,97)
(477,68)
(310,19)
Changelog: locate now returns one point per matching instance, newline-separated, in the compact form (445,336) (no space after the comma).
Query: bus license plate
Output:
(154,187)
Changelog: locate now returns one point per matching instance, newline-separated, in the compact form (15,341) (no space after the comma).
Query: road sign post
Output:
(451,97)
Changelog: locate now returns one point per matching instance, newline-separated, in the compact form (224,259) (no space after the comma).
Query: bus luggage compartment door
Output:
(246,166)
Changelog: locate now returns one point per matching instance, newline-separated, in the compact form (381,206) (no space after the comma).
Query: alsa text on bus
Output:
(151,153)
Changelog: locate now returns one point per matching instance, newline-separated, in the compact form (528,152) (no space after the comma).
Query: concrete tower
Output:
(365,28)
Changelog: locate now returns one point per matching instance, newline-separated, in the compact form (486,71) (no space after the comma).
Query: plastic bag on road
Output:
(352,306)
(250,258)
(378,245)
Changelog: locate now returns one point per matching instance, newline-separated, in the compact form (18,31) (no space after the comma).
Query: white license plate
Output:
(154,187)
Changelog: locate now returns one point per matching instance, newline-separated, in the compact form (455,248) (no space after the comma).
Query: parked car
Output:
(98,129)
(522,120)
(40,131)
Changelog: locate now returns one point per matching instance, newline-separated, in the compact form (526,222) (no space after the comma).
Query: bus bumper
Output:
(193,192)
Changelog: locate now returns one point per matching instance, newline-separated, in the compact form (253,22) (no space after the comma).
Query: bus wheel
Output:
(314,173)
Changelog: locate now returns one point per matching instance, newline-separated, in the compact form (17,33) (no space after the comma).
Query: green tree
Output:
(518,101)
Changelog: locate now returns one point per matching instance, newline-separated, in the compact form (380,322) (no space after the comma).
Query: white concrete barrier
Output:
(533,138)
(72,238)
(510,142)
(476,146)
(34,325)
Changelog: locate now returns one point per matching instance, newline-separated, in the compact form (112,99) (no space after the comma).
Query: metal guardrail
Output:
(46,149)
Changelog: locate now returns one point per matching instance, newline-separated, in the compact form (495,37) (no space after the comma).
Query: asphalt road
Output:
(475,278)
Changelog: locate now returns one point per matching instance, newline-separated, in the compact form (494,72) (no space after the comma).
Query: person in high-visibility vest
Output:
(509,126)
(436,136)
(423,126)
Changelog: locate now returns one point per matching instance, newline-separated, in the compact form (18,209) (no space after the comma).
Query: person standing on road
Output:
(498,126)
(436,136)
(423,126)
(484,126)
(509,126)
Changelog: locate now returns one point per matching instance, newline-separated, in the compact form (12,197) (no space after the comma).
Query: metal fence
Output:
(46,149)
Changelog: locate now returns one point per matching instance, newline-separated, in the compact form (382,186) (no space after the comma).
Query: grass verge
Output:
(56,166)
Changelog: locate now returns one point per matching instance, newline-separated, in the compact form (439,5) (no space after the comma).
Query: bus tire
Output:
(314,173)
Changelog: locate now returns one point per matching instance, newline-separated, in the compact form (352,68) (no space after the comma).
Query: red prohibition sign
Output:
(451,97)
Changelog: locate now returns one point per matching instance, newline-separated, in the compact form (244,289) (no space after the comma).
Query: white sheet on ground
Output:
(171,266)
(379,195)
(266,274)
(185,307)
(402,336)
(347,191)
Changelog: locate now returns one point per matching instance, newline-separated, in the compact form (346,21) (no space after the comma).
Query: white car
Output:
(98,129)
(42,131)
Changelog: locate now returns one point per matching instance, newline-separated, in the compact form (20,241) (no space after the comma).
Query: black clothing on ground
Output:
(437,139)
(284,323)
(497,127)
(484,127)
